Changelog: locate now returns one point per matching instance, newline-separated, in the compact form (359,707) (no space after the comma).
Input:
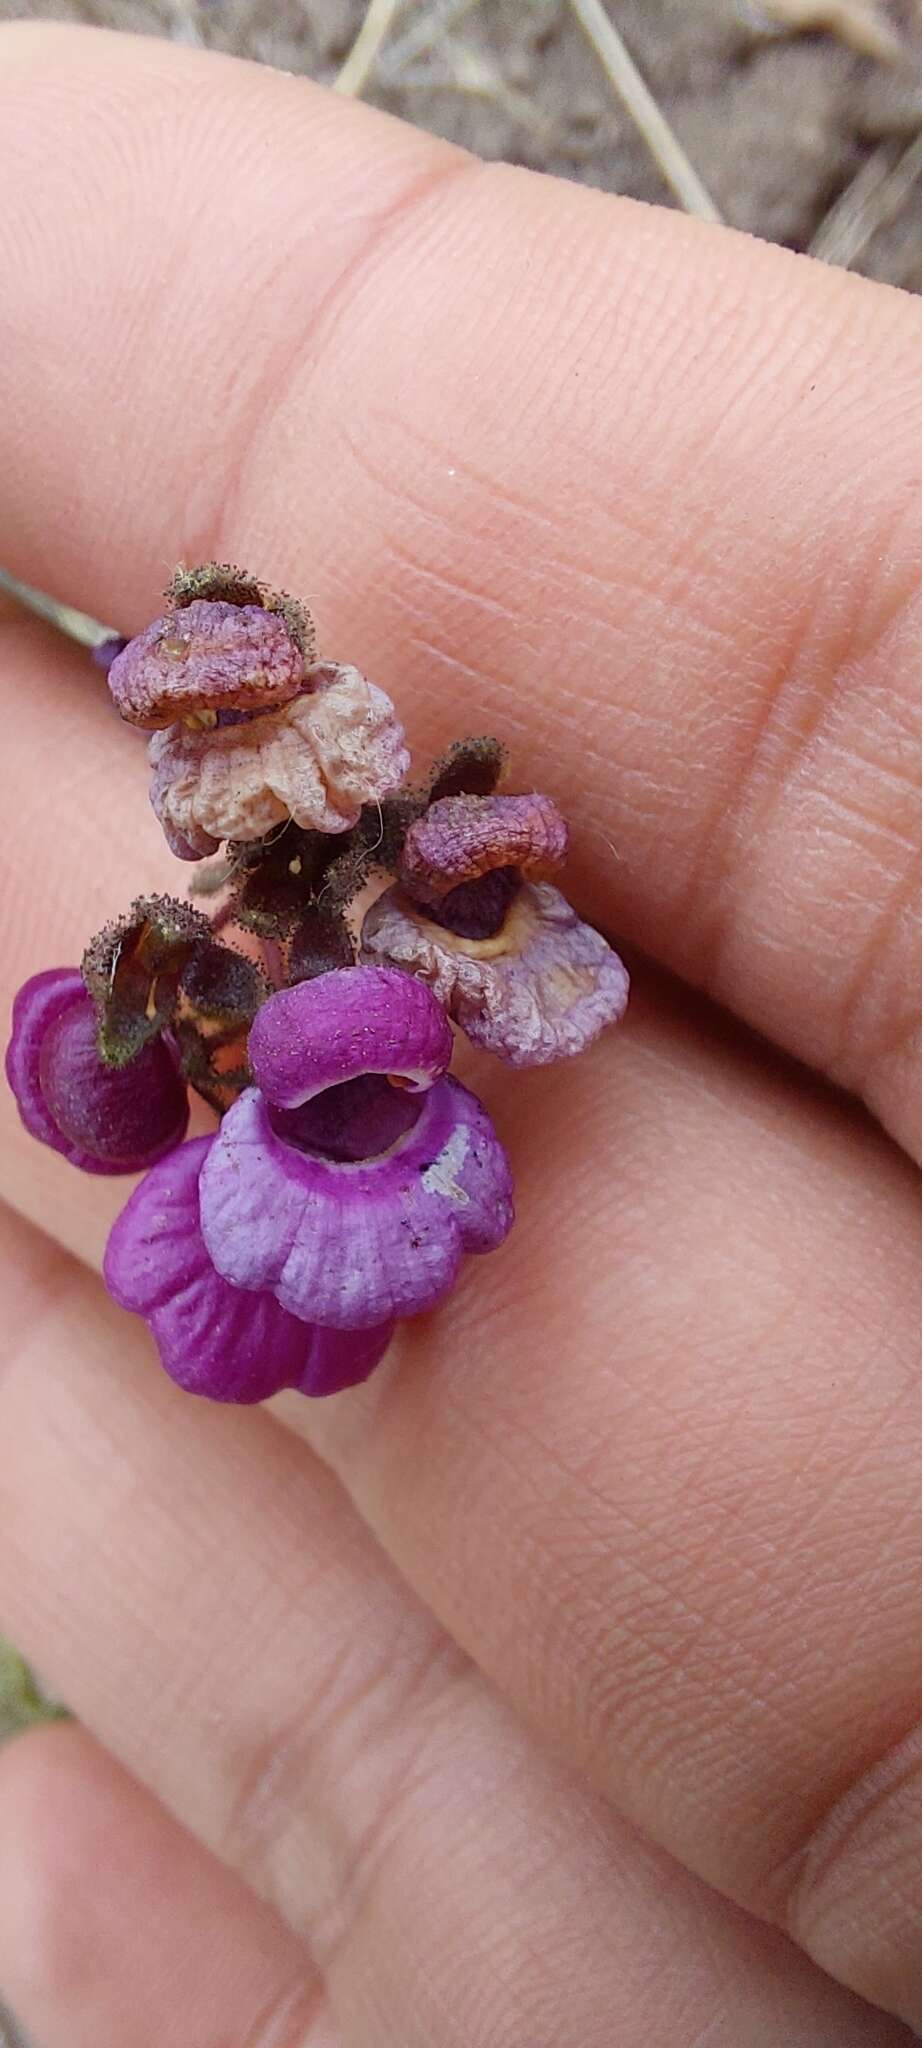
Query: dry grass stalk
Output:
(862,23)
(457,68)
(78,625)
(421,35)
(362,57)
(648,116)
(875,197)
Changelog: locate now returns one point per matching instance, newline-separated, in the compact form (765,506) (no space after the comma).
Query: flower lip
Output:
(207,657)
(540,988)
(461,838)
(215,1339)
(356,1021)
(101,1119)
(353,1244)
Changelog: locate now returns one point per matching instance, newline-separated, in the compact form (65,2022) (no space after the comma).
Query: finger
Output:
(115,1926)
(201,1592)
(588,467)
(657,1471)
(705,1268)
(695,1231)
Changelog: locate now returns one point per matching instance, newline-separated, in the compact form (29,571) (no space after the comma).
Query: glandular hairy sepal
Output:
(132,970)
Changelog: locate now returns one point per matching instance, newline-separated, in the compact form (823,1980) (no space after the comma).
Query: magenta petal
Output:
(341,1358)
(360,1020)
(213,1338)
(101,1119)
(36,1006)
(351,1244)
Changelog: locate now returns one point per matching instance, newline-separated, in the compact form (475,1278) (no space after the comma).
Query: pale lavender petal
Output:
(213,1338)
(359,1020)
(336,746)
(173,786)
(101,1119)
(540,989)
(352,1244)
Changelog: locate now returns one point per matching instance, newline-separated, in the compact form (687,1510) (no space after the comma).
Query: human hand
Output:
(374,1693)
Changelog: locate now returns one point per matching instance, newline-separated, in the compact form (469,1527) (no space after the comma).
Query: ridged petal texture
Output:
(213,1338)
(460,838)
(360,1020)
(209,655)
(540,990)
(354,1243)
(317,759)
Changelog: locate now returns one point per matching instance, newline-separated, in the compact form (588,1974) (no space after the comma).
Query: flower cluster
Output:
(356,918)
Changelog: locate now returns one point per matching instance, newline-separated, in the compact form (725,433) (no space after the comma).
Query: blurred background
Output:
(799,120)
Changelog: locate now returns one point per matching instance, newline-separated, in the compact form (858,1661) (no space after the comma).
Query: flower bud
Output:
(101,1118)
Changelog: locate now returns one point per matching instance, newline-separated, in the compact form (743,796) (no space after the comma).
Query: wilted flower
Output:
(207,657)
(461,839)
(315,759)
(249,730)
(512,962)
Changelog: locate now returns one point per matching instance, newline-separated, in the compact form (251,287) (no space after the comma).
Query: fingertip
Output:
(116,1926)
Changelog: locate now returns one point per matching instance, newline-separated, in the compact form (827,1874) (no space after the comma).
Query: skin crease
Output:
(655,1472)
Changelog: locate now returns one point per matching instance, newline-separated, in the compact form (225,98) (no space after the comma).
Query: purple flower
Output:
(215,1339)
(513,964)
(540,988)
(460,839)
(103,1119)
(331,1201)
(349,1199)
(350,1173)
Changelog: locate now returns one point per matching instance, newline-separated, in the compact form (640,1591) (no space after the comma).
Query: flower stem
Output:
(274,961)
(223,916)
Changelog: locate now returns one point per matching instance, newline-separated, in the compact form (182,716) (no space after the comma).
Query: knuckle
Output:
(807,885)
(317,1800)
(851,1894)
(297,2017)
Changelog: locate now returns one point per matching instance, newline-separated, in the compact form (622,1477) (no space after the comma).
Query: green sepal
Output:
(221,583)
(321,941)
(471,767)
(132,970)
(222,986)
(22,1702)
